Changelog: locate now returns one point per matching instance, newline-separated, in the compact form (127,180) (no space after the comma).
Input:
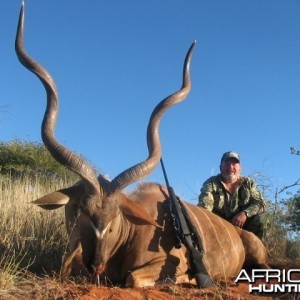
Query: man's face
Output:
(230,169)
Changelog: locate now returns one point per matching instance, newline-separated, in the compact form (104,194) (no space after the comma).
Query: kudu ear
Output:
(58,198)
(133,209)
(52,201)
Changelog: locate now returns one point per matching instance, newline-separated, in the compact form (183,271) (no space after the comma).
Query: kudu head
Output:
(97,199)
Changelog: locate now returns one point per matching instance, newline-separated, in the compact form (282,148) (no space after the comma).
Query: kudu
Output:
(128,237)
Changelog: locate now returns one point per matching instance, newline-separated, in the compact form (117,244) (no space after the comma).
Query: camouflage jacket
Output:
(217,199)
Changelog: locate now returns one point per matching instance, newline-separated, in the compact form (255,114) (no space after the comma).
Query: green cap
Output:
(230,154)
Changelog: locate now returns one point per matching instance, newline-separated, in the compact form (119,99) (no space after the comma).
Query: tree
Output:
(292,219)
(19,158)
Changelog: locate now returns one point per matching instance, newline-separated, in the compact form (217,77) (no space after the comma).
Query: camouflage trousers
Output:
(256,225)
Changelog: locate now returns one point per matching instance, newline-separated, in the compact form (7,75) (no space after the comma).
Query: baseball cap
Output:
(230,154)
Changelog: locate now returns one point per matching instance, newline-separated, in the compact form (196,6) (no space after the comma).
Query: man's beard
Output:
(232,177)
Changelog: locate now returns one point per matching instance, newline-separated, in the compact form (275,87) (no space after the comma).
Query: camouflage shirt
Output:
(217,199)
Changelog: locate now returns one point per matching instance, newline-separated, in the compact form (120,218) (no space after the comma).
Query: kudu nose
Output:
(97,269)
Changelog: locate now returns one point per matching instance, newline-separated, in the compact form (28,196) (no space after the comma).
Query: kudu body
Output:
(128,237)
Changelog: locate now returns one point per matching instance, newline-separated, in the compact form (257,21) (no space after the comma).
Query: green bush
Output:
(22,158)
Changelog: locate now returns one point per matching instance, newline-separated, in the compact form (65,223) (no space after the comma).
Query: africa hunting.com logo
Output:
(274,280)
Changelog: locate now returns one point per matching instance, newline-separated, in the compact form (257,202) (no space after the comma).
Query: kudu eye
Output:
(84,211)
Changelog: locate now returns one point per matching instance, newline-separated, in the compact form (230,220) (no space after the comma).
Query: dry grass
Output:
(31,240)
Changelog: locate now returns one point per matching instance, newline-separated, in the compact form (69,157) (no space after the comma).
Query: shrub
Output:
(22,158)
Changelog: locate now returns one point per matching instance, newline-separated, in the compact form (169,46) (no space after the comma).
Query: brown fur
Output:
(255,251)
(145,253)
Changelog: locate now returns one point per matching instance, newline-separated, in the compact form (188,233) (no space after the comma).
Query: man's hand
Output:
(239,219)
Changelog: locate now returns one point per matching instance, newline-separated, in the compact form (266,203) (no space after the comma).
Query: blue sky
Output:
(113,61)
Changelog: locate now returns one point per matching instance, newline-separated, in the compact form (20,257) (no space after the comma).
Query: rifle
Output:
(186,234)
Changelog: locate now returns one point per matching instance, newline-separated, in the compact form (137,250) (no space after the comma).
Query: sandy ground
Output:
(35,287)
(222,291)
(52,289)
